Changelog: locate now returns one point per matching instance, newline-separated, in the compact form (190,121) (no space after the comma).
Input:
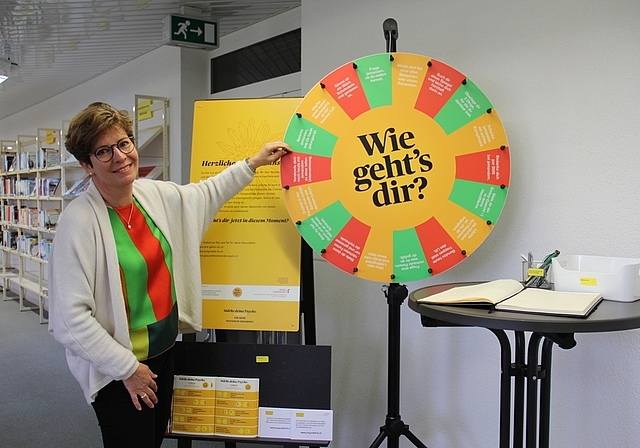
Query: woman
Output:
(124,274)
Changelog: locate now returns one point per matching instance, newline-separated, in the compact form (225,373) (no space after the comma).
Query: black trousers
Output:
(121,424)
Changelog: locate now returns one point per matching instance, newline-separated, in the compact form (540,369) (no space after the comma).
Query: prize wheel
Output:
(400,167)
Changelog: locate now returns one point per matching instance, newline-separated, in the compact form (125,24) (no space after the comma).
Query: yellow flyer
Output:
(237,407)
(206,405)
(251,254)
(194,401)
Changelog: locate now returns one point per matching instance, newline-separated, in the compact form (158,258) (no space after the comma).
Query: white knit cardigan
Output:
(86,304)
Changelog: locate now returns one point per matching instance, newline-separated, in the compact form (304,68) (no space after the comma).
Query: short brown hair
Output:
(90,123)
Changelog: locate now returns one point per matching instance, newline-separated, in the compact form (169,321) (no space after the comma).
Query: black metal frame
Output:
(394,427)
(530,365)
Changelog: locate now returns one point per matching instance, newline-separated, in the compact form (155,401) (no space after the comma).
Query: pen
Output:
(538,281)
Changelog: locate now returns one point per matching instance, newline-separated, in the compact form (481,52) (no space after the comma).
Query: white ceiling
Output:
(55,45)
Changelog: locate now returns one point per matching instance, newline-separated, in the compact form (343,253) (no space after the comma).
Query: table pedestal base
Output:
(529,365)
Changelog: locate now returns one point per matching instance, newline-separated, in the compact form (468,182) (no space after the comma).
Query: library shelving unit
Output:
(31,177)
(8,249)
(38,177)
(151,132)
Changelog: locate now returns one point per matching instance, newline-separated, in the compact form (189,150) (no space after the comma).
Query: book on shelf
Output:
(78,187)
(12,163)
(47,157)
(10,239)
(51,157)
(8,162)
(511,295)
(28,216)
(26,161)
(47,186)
(28,245)
(45,248)
(26,187)
(52,184)
(9,213)
(8,186)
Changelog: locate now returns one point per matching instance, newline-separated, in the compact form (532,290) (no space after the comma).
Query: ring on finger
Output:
(143,396)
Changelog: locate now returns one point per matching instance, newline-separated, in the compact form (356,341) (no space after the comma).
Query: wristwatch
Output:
(253,170)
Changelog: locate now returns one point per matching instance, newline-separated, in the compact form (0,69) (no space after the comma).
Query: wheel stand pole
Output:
(395,293)
(394,427)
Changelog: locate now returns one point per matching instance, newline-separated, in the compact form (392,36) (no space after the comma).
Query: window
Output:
(271,58)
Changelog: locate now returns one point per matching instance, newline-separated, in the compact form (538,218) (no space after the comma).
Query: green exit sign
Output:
(190,32)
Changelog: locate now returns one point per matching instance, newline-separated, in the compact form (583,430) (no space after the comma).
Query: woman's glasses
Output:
(105,153)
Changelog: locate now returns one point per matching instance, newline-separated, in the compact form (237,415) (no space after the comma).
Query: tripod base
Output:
(393,429)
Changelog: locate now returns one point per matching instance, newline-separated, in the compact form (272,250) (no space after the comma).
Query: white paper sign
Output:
(275,423)
(311,424)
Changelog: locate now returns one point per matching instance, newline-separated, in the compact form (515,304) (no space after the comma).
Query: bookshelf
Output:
(22,268)
(38,177)
(35,174)
(8,247)
(151,131)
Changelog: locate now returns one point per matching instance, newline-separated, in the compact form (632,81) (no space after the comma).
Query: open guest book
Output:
(511,295)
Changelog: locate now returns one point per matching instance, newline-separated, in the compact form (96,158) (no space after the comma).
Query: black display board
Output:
(291,376)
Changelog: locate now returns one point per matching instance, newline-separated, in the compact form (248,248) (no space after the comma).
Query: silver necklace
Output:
(123,218)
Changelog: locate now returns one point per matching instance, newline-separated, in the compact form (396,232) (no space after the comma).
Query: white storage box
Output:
(615,278)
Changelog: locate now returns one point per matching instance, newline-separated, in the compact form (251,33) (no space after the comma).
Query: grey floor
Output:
(41,405)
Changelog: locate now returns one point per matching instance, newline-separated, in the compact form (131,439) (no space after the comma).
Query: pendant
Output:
(129,226)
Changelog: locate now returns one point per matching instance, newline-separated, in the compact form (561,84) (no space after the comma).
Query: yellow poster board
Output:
(251,253)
